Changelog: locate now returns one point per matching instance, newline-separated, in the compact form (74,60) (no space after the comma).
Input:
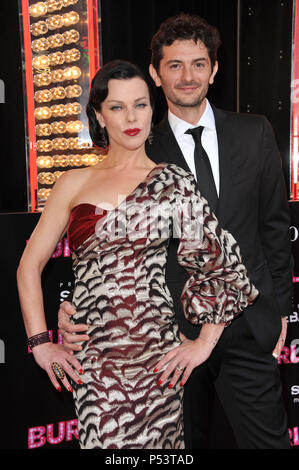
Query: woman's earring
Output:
(150,137)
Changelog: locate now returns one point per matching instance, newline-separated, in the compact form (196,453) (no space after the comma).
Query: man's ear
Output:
(214,71)
(153,73)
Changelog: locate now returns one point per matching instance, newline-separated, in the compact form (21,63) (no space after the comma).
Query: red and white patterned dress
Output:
(119,259)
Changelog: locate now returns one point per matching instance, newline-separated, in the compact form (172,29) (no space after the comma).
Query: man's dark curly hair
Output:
(184,27)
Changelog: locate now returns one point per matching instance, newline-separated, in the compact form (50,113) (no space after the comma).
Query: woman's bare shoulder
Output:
(75,174)
(68,185)
(73,178)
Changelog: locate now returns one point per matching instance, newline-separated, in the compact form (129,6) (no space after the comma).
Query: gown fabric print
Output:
(119,260)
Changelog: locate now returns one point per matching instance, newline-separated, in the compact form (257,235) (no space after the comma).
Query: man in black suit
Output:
(251,203)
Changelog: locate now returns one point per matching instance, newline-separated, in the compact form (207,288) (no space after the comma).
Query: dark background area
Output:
(128,35)
(262,62)
(266,67)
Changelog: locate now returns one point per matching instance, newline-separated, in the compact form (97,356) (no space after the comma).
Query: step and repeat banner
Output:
(34,415)
(289,358)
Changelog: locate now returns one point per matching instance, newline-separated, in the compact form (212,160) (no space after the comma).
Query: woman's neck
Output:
(121,158)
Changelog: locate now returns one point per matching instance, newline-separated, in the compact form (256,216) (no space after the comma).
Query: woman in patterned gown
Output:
(119,216)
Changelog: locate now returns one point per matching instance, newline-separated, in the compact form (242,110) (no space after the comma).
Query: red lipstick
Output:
(132,132)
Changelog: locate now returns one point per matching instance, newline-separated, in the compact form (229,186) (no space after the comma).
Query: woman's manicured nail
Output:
(160,382)
(181,384)
(155,370)
(170,386)
(70,389)
(58,388)
(80,382)
(81,371)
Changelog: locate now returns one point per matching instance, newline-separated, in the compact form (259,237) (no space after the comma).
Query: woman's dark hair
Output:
(184,27)
(119,70)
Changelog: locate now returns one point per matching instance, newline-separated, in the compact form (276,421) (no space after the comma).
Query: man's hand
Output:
(281,340)
(69,331)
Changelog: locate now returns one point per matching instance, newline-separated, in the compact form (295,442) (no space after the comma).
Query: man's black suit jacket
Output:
(252,206)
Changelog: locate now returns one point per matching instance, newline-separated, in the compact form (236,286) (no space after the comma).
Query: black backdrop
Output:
(128,34)
(265,66)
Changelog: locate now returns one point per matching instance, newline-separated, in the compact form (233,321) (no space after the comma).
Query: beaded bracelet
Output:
(40,338)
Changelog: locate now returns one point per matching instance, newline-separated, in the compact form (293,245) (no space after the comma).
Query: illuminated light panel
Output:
(57,33)
(30,107)
(295,106)
(93,34)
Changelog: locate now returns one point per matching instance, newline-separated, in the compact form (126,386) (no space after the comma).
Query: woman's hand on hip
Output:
(191,353)
(48,353)
(182,360)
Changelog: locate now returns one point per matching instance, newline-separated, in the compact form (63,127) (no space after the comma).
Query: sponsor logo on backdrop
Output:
(62,249)
(294,232)
(290,355)
(295,393)
(64,431)
(294,317)
(66,288)
(2,351)
(294,436)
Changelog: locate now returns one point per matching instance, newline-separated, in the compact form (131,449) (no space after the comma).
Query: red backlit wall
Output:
(295,106)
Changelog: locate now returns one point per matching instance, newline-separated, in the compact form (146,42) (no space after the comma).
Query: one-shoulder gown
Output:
(119,260)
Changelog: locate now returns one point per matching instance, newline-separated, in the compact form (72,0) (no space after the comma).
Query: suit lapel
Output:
(224,149)
(171,152)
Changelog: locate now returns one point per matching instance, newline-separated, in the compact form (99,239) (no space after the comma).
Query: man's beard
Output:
(197,101)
